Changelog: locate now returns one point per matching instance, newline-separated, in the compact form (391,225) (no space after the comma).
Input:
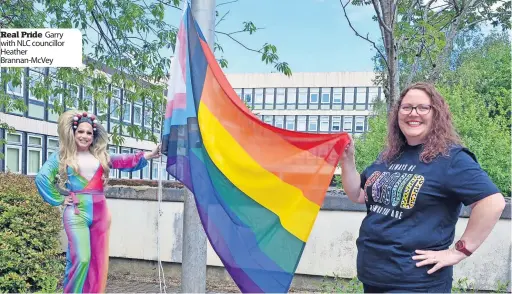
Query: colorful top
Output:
(77,183)
(415,205)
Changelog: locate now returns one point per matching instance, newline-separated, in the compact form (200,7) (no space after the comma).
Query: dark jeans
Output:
(445,287)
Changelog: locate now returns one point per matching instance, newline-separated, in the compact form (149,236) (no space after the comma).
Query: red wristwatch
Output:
(461,246)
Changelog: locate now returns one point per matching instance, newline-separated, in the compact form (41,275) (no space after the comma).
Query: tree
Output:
(477,89)
(129,36)
(418,35)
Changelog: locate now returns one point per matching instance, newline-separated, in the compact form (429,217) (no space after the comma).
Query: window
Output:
(163,169)
(15,90)
(13,153)
(347,124)
(361,95)
(52,145)
(14,138)
(324,123)
(326,98)
(290,122)
(313,124)
(361,99)
(34,154)
(269,98)
(13,159)
(136,174)
(239,93)
(114,128)
(336,124)
(87,98)
(102,104)
(36,104)
(279,121)
(148,114)
(314,98)
(280,95)
(373,97)
(268,119)
(114,108)
(337,94)
(54,100)
(155,169)
(72,101)
(359,124)
(291,98)
(35,78)
(127,112)
(301,123)
(137,114)
(349,99)
(258,99)
(125,175)
(116,92)
(248,96)
(145,172)
(115,102)
(303,98)
(113,172)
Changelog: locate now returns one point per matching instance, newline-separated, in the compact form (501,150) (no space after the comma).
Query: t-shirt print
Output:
(398,187)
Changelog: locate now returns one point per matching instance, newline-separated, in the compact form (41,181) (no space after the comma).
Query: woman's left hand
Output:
(439,259)
(155,153)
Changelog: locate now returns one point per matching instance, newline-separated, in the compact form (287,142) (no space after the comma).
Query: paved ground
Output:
(128,286)
(131,284)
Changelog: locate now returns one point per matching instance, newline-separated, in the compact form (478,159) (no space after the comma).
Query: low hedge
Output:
(31,258)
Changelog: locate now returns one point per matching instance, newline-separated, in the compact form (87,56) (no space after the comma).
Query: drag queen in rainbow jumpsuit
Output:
(75,177)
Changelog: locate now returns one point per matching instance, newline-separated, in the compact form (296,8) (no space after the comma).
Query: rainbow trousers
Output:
(87,225)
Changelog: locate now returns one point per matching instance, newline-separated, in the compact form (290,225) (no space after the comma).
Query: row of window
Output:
(120,111)
(316,123)
(346,98)
(26,152)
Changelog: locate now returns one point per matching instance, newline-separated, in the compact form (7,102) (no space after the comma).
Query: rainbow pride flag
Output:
(258,188)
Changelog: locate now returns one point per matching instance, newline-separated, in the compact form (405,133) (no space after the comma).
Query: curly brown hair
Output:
(441,136)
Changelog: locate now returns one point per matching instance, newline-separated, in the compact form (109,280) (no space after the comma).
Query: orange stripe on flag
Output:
(293,165)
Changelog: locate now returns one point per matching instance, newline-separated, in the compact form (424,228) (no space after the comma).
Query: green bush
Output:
(487,136)
(30,254)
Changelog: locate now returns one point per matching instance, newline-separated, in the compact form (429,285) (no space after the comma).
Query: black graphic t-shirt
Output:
(412,205)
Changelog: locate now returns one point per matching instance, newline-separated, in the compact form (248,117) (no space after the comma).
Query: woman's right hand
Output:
(68,200)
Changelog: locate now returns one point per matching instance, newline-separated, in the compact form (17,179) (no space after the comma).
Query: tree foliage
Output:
(418,37)
(477,90)
(133,37)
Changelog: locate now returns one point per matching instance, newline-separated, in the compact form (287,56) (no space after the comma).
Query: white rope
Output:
(161,275)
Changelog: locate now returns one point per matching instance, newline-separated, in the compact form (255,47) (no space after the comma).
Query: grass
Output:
(342,285)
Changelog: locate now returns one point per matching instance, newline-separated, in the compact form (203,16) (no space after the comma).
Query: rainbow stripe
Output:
(258,188)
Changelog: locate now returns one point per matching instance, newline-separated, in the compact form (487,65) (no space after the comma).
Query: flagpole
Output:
(193,261)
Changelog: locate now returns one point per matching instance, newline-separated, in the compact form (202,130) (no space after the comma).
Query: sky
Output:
(311,35)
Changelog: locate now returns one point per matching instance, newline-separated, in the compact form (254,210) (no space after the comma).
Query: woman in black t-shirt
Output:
(414,193)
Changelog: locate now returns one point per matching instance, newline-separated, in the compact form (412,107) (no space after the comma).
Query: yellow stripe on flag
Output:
(296,212)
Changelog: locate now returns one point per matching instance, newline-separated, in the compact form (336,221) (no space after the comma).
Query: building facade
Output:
(311,102)
(36,138)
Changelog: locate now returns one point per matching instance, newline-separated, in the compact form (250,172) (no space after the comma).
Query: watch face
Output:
(459,245)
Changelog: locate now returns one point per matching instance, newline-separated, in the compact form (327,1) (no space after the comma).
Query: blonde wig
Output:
(68,150)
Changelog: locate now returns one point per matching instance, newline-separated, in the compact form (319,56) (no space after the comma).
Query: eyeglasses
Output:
(421,109)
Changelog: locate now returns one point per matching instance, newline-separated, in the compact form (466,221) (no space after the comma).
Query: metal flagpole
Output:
(193,262)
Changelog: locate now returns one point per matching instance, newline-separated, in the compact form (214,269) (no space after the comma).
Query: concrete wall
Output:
(330,250)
